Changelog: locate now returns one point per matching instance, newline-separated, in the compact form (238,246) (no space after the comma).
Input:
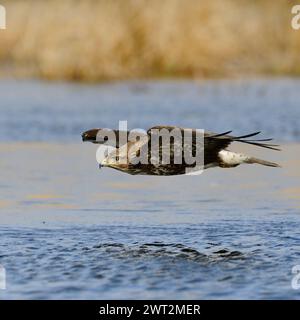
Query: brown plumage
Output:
(214,151)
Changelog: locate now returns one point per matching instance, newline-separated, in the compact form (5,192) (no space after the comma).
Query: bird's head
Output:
(115,159)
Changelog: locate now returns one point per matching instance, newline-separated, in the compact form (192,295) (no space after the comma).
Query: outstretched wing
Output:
(213,142)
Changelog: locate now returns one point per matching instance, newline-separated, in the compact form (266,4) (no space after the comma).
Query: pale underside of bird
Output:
(136,155)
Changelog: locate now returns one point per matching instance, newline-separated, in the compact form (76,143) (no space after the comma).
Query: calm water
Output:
(70,230)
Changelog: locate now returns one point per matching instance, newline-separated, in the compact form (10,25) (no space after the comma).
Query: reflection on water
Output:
(70,230)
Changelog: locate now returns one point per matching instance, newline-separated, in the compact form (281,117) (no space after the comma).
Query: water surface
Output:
(70,230)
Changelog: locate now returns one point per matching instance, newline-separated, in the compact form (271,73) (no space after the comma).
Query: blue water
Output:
(189,261)
(37,111)
(71,231)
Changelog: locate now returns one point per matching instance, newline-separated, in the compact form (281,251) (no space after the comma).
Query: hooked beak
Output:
(103,164)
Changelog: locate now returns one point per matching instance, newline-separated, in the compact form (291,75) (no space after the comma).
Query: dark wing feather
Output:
(256,142)
(94,136)
(215,142)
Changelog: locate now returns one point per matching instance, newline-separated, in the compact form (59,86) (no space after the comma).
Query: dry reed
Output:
(90,40)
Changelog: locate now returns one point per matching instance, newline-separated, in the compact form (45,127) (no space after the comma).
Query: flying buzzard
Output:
(127,153)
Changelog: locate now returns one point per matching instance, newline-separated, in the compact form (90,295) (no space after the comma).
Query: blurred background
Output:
(98,40)
(67,66)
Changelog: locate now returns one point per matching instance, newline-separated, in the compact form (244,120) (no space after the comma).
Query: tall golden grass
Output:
(92,40)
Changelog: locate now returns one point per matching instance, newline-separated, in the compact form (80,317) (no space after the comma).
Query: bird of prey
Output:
(127,152)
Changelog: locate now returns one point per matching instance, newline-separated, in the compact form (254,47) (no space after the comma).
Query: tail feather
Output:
(262,162)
